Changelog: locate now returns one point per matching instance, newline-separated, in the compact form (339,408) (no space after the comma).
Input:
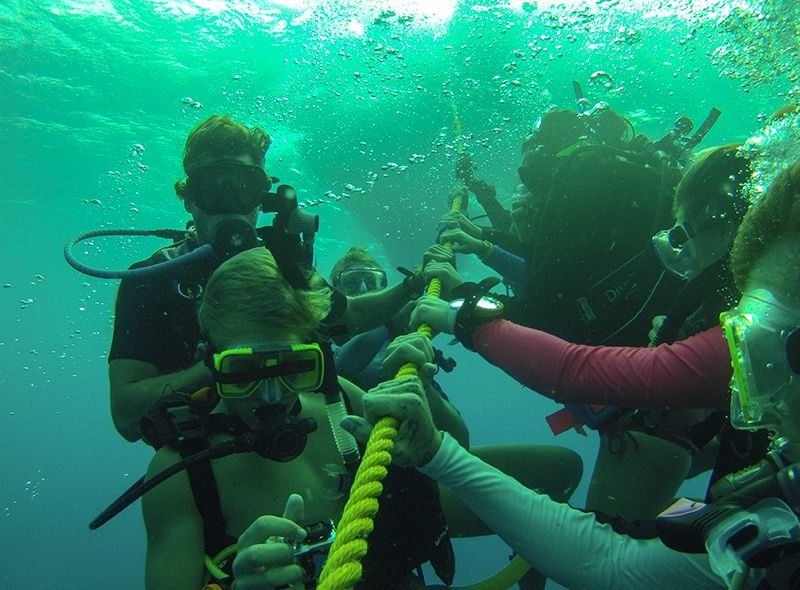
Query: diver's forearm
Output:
(371,310)
(447,418)
(131,401)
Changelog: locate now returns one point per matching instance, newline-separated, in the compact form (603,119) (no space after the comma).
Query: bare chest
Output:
(251,486)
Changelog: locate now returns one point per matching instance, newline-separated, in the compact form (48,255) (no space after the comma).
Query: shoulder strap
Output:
(689,299)
(206,497)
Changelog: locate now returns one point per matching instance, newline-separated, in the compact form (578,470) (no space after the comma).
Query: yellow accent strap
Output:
(213,564)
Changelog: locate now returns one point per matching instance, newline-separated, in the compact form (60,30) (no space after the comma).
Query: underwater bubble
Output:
(770,151)
(7,286)
(92,202)
(187,100)
(602,78)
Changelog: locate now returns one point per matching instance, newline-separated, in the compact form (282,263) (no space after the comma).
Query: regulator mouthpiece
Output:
(234,236)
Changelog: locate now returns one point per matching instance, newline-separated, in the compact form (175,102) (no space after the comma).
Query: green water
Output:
(96,98)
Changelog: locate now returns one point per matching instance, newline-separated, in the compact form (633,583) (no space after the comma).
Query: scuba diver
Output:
(153,353)
(748,537)
(226,474)
(593,193)
(360,359)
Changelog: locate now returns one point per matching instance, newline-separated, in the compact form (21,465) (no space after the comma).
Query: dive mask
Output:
(764,341)
(676,250)
(355,281)
(227,186)
(239,372)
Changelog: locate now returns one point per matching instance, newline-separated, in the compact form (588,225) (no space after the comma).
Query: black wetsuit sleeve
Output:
(338,306)
(137,325)
(333,322)
(154,325)
(486,195)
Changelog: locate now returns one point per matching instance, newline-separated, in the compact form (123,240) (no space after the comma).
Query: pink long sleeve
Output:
(692,373)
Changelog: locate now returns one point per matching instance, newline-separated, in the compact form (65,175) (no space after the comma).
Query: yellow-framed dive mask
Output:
(764,341)
(239,372)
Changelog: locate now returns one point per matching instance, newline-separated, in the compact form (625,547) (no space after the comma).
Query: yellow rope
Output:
(342,569)
(457,129)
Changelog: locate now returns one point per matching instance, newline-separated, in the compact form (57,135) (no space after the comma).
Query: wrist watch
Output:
(467,314)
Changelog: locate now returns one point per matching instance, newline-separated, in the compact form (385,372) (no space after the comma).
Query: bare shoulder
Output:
(354,395)
(170,500)
(124,371)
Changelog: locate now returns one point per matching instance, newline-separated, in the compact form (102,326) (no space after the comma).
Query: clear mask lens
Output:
(676,250)
(354,281)
(761,338)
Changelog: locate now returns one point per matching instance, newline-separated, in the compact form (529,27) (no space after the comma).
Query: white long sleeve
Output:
(567,545)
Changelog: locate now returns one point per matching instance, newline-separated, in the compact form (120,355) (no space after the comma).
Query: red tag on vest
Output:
(563,420)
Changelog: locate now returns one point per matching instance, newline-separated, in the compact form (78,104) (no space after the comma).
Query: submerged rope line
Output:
(342,569)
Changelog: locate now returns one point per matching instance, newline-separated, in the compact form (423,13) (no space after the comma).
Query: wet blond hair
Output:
(775,216)
(248,294)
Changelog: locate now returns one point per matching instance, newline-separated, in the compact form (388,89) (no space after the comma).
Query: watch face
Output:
(489,303)
(485,307)
(488,307)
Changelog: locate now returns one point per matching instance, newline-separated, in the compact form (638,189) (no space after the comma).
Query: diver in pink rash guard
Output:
(575,549)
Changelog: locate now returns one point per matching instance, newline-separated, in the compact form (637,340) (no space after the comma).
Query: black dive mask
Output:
(227,187)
